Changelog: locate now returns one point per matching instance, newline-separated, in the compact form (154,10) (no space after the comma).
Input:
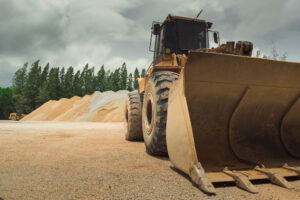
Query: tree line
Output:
(33,86)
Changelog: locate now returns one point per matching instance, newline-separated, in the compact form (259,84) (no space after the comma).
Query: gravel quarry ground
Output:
(88,160)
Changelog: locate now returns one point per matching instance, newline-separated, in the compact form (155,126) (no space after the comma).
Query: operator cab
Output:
(179,35)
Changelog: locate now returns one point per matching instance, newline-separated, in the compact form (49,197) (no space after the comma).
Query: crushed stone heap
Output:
(99,107)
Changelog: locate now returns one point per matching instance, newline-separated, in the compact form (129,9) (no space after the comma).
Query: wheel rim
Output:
(149,114)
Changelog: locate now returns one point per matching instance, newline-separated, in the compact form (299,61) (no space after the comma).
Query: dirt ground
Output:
(86,160)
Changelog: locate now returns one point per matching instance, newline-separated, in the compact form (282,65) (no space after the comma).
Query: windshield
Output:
(192,35)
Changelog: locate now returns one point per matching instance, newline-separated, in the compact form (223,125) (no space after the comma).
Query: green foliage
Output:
(45,73)
(18,89)
(69,79)
(130,82)
(101,79)
(77,84)
(108,78)
(136,76)
(62,85)
(53,86)
(44,94)
(33,88)
(6,102)
(115,80)
(87,81)
(123,78)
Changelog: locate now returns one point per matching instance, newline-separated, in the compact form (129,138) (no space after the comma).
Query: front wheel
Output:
(154,113)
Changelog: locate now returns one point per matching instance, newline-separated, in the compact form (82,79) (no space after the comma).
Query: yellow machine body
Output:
(230,117)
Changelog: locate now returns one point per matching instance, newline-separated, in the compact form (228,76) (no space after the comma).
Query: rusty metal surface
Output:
(243,111)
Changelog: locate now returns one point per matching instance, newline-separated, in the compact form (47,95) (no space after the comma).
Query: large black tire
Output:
(133,117)
(154,114)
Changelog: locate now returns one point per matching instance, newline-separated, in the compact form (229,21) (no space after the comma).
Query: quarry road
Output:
(88,160)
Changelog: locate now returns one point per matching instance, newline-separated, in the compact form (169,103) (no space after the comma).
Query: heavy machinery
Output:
(16,116)
(220,114)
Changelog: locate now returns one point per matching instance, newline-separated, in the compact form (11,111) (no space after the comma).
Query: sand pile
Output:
(98,107)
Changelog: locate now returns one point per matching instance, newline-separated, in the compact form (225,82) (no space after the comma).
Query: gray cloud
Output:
(75,32)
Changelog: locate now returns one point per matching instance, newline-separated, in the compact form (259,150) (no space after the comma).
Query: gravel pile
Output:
(101,98)
(98,107)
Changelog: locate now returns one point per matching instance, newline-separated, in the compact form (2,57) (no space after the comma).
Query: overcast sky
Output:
(76,32)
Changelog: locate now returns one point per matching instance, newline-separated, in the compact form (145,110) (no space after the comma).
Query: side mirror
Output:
(216,37)
(156,29)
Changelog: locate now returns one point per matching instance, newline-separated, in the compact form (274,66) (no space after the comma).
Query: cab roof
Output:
(171,18)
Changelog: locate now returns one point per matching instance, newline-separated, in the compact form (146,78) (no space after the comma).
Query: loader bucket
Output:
(235,118)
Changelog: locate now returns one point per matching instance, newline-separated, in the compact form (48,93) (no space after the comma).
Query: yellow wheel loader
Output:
(219,114)
(16,116)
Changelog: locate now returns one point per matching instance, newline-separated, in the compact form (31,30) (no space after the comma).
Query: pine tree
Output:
(32,85)
(69,82)
(123,74)
(129,83)
(114,80)
(18,88)
(43,94)
(83,80)
(90,81)
(54,84)
(136,76)
(94,81)
(87,80)
(44,74)
(143,73)
(108,80)
(20,78)
(62,86)
(39,82)
(101,79)
(77,84)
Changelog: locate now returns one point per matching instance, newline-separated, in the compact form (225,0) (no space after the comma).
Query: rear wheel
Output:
(133,117)
(154,114)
